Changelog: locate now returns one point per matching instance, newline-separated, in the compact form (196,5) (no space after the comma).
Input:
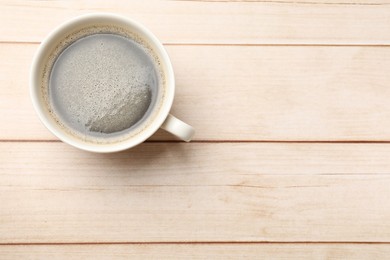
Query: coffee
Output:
(103,85)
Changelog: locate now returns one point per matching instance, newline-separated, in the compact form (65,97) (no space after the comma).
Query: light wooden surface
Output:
(290,100)
(169,192)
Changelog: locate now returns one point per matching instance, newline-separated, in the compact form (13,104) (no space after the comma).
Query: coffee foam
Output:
(122,101)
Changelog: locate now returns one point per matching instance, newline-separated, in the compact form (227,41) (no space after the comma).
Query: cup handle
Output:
(178,128)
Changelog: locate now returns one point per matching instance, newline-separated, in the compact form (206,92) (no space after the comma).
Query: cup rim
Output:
(132,141)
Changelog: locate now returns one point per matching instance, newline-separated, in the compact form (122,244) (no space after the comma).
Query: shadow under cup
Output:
(79,28)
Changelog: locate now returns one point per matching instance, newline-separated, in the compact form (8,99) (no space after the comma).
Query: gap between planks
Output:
(195,243)
(241,44)
(218,141)
(286,2)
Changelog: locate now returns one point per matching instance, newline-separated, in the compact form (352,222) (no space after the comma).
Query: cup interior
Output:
(63,35)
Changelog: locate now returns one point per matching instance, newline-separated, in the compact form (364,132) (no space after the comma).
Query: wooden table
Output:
(291,103)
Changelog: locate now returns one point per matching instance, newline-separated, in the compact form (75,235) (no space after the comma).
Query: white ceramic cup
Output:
(162,118)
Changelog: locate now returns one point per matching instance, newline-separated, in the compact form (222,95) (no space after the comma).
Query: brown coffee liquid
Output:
(103,85)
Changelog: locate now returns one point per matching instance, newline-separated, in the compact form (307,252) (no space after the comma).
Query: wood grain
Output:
(199,251)
(245,93)
(263,22)
(169,192)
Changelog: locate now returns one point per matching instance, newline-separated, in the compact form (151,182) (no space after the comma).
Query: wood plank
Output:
(198,251)
(168,192)
(246,93)
(264,22)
